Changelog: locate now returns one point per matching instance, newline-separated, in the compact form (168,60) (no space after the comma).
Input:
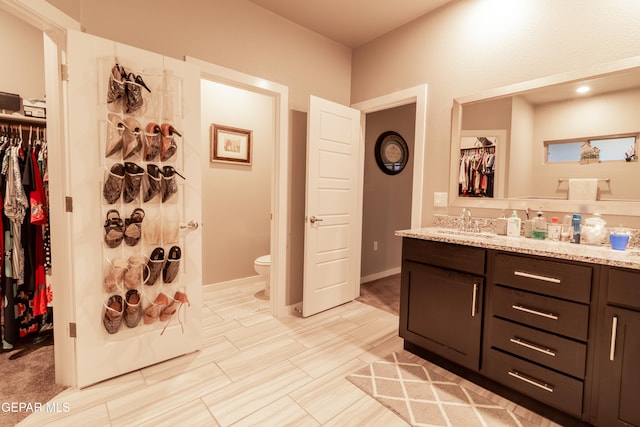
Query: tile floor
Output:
(253,370)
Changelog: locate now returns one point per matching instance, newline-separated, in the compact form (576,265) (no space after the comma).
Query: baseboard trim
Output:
(380,275)
(242,281)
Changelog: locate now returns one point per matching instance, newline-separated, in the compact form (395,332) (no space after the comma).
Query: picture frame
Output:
(230,145)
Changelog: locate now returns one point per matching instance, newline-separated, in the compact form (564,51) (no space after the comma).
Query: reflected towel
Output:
(583,189)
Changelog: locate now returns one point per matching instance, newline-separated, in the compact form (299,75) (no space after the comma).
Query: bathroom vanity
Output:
(553,326)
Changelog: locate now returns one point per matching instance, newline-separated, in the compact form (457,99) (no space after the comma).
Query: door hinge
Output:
(68,204)
(72,330)
(64,72)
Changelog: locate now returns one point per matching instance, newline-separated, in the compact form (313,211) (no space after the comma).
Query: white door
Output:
(103,352)
(333,225)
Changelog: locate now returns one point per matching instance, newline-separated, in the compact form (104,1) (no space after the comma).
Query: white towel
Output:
(583,189)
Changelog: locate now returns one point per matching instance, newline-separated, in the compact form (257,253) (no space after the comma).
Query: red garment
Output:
(40,297)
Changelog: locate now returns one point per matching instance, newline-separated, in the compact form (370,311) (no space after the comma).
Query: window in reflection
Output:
(593,150)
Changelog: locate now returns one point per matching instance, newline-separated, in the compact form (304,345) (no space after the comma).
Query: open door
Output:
(333,223)
(103,269)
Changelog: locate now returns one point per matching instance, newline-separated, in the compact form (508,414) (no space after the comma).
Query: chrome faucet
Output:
(465,220)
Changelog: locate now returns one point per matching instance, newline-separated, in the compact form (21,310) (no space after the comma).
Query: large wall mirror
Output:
(535,122)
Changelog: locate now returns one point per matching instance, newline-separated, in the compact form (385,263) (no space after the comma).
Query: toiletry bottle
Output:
(554,229)
(567,229)
(576,219)
(539,227)
(513,225)
(501,225)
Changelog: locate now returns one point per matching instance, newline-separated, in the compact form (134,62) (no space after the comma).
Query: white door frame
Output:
(54,25)
(280,176)
(417,94)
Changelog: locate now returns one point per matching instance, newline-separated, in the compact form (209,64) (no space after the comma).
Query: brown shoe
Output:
(133,308)
(152,312)
(113,314)
(113,183)
(179,299)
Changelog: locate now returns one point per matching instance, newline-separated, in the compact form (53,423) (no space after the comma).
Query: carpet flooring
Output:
(28,377)
(424,394)
(382,293)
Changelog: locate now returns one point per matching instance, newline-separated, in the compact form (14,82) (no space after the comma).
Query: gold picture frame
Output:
(230,145)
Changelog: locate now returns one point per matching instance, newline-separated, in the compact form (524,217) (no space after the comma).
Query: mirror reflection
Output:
(540,119)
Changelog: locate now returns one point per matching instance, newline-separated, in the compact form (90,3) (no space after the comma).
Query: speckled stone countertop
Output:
(568,251)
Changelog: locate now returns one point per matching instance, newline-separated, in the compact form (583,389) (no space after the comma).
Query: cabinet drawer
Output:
(558,279)
(552,388)
(624,288)
(555,352)
(558,316)
(454,257)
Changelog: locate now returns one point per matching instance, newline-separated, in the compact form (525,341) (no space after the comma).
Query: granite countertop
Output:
(568,251)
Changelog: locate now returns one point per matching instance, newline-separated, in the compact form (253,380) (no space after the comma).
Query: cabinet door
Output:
(619,397)
(444,312)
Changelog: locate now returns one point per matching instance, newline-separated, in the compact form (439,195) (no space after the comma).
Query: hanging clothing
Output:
(476,172)
(24,235)
(15,208)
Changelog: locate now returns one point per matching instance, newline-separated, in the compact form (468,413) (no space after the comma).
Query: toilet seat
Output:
(263,260)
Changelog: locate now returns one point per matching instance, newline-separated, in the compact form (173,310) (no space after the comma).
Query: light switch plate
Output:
(440,199)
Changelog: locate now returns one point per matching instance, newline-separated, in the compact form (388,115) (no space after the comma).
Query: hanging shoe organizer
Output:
(142,201)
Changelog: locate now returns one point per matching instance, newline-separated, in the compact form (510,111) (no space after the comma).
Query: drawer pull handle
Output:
(532,346)
(614,333)
(529,380)
(536,276)
(536,312)
(473,302)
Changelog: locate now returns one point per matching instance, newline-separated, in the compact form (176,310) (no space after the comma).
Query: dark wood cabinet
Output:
(441,308)
(538,328)
(561,337)
(619,352)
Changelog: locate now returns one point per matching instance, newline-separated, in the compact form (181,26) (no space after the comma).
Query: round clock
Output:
(391,152)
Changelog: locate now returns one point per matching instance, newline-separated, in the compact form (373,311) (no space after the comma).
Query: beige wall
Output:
(386,198)
(470,46)
(22,70)
(236,202)
(233,33)
(609,114)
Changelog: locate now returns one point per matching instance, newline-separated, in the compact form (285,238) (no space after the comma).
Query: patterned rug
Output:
(425,395)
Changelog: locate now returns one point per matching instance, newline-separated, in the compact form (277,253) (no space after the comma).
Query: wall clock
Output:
(391,152)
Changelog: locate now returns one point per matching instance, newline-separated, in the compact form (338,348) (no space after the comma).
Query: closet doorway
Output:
(399,205)
(26,37)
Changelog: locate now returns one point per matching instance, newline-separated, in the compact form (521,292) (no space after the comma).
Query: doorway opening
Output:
(391,202)
(272,118)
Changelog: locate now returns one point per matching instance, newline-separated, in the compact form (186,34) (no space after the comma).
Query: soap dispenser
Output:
(513,225)
(539,227)
(501,225)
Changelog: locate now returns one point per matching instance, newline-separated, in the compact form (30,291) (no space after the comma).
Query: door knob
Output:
(191,225)
(313,220)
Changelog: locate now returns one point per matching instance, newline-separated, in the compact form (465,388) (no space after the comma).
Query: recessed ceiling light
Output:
(583,89)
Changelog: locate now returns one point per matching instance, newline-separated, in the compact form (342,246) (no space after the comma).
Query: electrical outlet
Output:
(375,245)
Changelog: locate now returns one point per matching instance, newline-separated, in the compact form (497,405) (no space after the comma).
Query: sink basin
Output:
(481,234)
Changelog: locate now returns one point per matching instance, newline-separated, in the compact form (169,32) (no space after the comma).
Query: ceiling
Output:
(351,22)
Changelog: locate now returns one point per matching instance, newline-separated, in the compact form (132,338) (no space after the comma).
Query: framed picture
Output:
(230,145)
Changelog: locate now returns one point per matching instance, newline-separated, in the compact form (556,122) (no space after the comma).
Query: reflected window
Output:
(593,150)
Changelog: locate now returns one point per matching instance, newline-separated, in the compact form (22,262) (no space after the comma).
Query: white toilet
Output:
(262,265)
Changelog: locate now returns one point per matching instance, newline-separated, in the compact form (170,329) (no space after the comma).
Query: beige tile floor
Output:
(253,370)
